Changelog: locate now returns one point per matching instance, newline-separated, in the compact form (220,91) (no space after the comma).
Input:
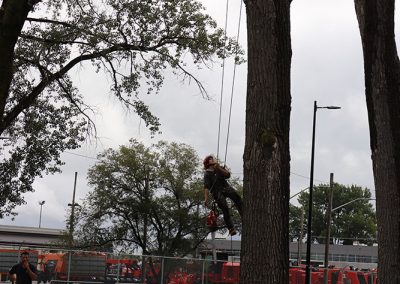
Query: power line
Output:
(234,173)
(306,177)
(80,155)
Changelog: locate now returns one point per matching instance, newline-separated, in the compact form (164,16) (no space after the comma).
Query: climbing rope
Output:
(233,82)
(232,91)
(223,76)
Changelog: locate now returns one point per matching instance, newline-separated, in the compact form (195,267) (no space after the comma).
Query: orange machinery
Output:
(78,266)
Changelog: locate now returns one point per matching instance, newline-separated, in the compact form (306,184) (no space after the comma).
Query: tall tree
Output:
(382,89)
(42,42)
(145,197)
(265,241)
(355,221)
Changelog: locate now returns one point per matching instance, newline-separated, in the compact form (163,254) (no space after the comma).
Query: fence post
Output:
(69,265)
(203,272)
(119,268)
(370,278)
(162,269)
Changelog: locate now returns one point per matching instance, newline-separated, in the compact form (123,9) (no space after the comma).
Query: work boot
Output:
(232,232)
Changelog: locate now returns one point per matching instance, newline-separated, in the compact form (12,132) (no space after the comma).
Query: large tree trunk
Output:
(382,87)
(13,14)
(265,241)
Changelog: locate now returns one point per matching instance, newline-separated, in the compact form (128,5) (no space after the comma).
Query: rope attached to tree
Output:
(233,82)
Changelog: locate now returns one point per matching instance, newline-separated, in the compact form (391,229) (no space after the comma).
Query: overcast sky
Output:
(327,67)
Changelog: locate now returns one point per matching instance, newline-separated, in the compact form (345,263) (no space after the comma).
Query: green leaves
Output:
(145,197)
(356,221)
(43,131)
(133,42)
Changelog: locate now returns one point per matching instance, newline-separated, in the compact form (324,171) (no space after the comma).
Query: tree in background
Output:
(41,42)
(353,222)
(145,197)
(296,223)
(265,239)
(382,89)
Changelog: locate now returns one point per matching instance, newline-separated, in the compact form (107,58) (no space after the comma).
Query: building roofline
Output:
(7,229)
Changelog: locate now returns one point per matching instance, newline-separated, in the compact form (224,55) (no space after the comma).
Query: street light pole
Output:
(328,231)
(40,215)
(300,243)
(71,226)
(72,216)
(310,199)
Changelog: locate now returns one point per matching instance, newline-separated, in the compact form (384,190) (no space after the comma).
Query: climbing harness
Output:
(212,218)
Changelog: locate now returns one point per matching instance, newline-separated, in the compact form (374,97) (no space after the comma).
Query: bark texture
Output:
(382,89)
(265,242)
(13,14)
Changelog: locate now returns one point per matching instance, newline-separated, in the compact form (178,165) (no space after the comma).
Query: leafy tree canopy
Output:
(355,221)
(145,197)
(41,42)
(295,222)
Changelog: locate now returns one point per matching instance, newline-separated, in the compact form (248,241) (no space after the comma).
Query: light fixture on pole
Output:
(354,200)
(40,215)
(310,199)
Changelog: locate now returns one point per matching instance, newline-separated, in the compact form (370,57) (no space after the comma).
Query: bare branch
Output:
(45,40)
(41,20)
(203,91)
(72,100)
(31,97)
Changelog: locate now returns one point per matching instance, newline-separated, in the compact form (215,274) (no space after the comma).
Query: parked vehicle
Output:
(46,269)
(123,270)
(224,272)
(75,266)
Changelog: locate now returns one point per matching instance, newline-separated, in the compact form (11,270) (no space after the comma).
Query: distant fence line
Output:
(88,267)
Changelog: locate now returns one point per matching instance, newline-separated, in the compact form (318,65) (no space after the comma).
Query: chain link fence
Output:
(89,267)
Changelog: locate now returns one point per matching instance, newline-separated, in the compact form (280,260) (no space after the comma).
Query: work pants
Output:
(220,196)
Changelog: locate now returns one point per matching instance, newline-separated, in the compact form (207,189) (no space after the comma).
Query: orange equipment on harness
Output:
(212,219)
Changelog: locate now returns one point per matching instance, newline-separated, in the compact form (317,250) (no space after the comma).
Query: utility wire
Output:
(233,173)
(306,177)
(83,156)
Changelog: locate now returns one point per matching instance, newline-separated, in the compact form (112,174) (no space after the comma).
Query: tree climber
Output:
(215,181)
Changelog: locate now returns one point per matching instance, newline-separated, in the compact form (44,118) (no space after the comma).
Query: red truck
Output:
(77,266)
(123,270)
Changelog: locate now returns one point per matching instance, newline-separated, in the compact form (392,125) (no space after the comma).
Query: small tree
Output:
(296,227)
(145,197)
(354,221)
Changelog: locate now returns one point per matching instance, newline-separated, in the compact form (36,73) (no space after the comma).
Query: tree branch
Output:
(30,98)
(40,20)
